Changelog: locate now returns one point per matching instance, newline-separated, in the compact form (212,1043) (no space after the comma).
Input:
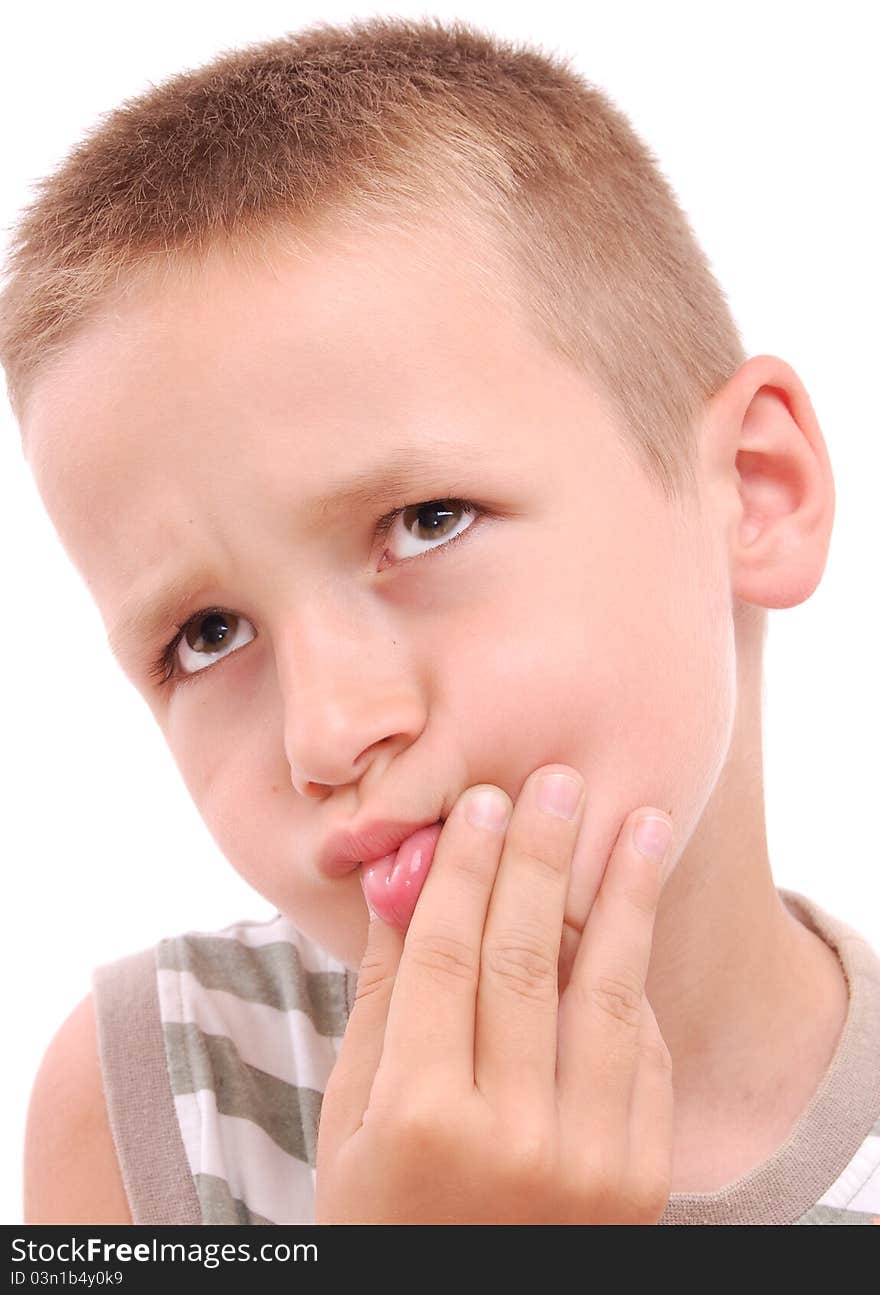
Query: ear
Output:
(766,456)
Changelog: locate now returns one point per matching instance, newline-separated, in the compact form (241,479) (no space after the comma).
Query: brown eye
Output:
(438,520)
(208,637)
(434,518)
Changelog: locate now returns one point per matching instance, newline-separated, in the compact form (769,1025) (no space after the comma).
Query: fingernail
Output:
(651,837)
(558,794)
(488,808)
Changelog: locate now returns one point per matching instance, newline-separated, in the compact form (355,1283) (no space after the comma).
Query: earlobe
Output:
(750,530)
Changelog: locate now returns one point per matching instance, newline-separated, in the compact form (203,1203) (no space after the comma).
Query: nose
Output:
(346,692)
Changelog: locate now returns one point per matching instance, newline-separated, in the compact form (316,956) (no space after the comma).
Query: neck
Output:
(739,987)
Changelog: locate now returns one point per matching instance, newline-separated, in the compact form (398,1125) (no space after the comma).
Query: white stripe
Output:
(867,1198)
(255,935)
(256,1169)
(283,1043)
(847,1190)
(189,1120)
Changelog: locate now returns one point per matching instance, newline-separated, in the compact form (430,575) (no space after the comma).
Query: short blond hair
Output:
(394,117)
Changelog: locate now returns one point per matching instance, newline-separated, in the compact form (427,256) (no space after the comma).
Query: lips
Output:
(392,884)
(343,851)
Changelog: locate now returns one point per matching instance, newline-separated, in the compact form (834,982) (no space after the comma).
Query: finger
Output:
(568,947)
(651,1112)
(601,1010)
(431,1014)
(517,997)
(347,1094)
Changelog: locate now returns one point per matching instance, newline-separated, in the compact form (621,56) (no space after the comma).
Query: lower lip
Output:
(392,885)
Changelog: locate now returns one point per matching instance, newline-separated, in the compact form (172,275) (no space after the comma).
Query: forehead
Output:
(317,320)
(258,381)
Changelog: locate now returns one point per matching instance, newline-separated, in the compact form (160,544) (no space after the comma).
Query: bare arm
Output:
(71,1173)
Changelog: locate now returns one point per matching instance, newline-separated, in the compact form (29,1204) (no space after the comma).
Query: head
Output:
(445,267)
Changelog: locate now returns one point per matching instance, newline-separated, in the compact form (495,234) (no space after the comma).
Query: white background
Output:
(764,117)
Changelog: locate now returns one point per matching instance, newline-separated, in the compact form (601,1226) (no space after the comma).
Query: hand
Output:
(466,1090)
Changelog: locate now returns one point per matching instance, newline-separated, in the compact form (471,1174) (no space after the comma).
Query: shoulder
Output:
(71,1173)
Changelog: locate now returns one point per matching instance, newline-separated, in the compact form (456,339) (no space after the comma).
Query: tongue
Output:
(393,884)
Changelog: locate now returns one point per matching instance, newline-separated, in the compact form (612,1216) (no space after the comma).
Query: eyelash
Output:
(163,668)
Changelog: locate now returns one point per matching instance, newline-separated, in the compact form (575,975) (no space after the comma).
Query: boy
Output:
(379,390)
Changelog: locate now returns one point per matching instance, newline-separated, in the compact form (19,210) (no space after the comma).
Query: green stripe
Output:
(286,1112)
(219,1205)
(272,975)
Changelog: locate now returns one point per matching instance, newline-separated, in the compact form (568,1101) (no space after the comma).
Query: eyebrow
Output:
(143,616)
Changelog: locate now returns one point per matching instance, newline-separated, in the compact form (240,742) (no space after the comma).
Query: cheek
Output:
(623,664)
(227,776)
(231,772)
(664,690)
(240,791)
(624,669)
(658,706)
(507,668)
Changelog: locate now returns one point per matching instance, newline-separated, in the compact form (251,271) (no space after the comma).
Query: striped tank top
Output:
(216,1048)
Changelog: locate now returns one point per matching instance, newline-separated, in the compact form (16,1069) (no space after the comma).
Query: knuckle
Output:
(374,977)
(443,956)
(619,998)
(521,962)
(547,859)
(475,866)
(648,1198)
(531,1157)
(416,1127)
(595,1182)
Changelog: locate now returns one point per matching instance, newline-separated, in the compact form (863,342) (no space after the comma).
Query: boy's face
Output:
(580,619)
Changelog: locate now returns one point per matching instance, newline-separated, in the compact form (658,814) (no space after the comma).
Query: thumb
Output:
(348,1091)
